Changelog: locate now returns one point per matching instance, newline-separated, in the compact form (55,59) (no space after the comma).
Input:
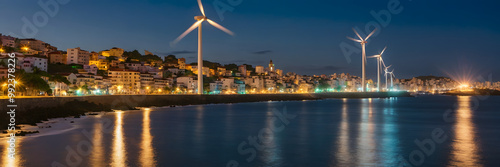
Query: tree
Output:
(62,68)
(33,83)
(59,78)
(85,88)
(249,67)
(111,58)
(171,59)
(323,85)
(231,67)
(188,73)
(102,73)
(248,87)
(167,89)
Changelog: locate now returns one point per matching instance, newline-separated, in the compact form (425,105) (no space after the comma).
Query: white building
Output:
(91,69)
(32,62)
(216,87)
(255,82)
(78,56)
(227,83)
(187,82)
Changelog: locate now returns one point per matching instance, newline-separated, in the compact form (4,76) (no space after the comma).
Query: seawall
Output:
(132,101)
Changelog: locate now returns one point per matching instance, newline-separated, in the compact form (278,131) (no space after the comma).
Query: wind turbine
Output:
(386,70)
(197,24)
(363,42)
(379,64)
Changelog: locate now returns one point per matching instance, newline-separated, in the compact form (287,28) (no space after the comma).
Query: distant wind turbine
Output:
(200,19)
(379,66)
(392,79)
(363,42)
(391,74)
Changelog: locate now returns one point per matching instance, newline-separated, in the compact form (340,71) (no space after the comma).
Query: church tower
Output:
(271,66)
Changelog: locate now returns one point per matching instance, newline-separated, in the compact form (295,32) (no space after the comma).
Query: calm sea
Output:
(420,131)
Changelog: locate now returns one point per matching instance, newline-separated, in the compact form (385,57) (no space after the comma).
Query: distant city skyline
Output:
(299,37)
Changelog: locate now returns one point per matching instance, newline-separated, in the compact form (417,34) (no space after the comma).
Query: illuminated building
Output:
(128,79)
(94,56)
(101,64)
(182,63)
(78,56)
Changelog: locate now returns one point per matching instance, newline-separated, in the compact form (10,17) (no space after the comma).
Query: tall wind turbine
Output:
(379,66)
(197,24)
(363,42)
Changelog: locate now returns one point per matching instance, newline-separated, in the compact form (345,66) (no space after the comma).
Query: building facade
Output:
(78,56)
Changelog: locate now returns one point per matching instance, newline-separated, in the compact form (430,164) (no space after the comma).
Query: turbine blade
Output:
(201,7)
(374,56)
(220,27)
(383,51)
(194,26)
(355,40)
(357,34)
(373,32)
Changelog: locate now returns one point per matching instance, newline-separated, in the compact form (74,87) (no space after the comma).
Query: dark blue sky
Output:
(427,37)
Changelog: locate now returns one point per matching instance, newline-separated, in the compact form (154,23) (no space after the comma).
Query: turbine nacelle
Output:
(200,18)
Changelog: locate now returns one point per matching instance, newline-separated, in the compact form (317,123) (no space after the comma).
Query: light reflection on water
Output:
(97,156)
(119,154)
(365,142)
(146,157)
(343,154)
(12,162)
(390,142)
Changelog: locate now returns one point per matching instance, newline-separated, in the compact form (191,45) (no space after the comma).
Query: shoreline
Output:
(31,111)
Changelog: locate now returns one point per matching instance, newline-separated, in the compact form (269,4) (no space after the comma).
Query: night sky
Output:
(426,37)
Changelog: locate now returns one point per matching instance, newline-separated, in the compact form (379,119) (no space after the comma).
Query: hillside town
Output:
(45,70)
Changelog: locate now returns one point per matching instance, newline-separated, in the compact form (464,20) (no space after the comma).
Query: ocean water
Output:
(420,131)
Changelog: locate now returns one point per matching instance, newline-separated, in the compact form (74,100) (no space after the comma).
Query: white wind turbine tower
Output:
(201,19)
(392,79)
(363,42)
(379,66)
